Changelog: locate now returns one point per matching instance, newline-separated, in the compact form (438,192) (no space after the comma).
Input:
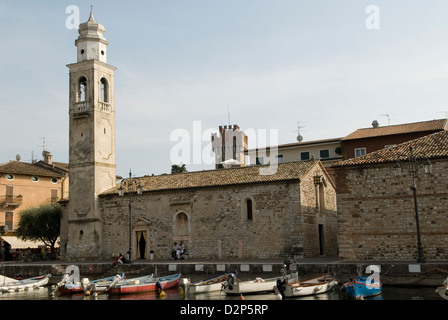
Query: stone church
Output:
(229,213)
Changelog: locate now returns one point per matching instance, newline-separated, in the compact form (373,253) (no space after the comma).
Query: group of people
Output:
(178,250)
(118,259)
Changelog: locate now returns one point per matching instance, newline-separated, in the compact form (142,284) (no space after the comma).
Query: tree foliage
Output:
(178,169)
(41,223)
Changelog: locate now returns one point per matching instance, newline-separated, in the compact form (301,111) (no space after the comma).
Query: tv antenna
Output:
(43,143)
(388,118)
(299,136)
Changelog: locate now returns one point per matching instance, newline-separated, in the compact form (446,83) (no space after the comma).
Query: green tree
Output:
(178,169)
(41,223)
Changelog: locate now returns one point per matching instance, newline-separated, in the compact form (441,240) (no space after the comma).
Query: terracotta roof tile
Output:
(433,125)
(431,146)
(18,167)
(222,177)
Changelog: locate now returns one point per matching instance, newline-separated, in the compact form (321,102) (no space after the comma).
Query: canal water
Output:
(389,293)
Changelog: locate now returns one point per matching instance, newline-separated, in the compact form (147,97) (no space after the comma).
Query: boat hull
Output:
(21,285)
(153,285)
(256,286)
(303,290)
(363,287)
(205,288)
(213,284)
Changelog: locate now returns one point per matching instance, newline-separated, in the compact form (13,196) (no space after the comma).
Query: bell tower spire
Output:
(91,42)
(92,158)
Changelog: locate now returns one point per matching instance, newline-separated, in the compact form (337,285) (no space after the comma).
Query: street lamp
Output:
(428,170)
(127,186)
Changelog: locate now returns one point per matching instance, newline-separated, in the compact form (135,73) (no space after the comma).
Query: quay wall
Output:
(427,274)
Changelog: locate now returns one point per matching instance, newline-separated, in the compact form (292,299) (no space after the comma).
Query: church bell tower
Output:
(92,159)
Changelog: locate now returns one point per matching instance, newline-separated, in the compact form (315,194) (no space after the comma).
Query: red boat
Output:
(142,284)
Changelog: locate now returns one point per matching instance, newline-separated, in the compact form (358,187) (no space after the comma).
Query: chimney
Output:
(375,124)
(47,157)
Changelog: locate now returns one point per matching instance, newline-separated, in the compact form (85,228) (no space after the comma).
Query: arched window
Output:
(181,224)
(104,90)
(249,208)
(82,89)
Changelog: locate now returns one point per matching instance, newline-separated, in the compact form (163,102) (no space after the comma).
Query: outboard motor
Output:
(281,286)
(287,263)
(230,281)
(159,286)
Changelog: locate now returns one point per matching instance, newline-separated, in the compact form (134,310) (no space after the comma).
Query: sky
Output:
(321,67)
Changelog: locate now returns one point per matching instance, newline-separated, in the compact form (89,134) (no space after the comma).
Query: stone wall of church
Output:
(248,221)
(377,214)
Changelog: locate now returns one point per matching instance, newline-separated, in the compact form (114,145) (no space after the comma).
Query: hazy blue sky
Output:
(271,63)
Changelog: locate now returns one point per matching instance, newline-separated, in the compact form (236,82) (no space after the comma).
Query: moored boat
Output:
(145,284)
(443,290)
(68,285)
(259,285)
(310,286)
(362,287)
(11,285)
(212,284)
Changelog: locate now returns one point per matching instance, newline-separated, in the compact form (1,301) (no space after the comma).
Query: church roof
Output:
(428,147)
(223,177)
(432,125)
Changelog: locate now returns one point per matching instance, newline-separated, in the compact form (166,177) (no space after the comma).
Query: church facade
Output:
(233,213)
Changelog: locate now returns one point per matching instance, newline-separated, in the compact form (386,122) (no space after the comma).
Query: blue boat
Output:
(362,287)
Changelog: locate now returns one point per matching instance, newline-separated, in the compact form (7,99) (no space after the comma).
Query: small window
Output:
(304,156)
(360,152)
(34,178)
(54,180)
(279,158)
(9,220)
(249,208)
(260,160)
(324,154)
(9,176)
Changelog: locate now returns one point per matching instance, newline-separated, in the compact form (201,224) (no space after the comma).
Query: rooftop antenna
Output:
(43,143)
(32,157)
(299,136)
(388,118)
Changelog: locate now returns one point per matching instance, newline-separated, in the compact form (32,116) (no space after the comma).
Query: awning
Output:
(16,243)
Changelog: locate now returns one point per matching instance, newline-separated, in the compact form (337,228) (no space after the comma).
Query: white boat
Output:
(306,287)
(11,285)
(101,285)
(212,284)
(443,290)
(259,285)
